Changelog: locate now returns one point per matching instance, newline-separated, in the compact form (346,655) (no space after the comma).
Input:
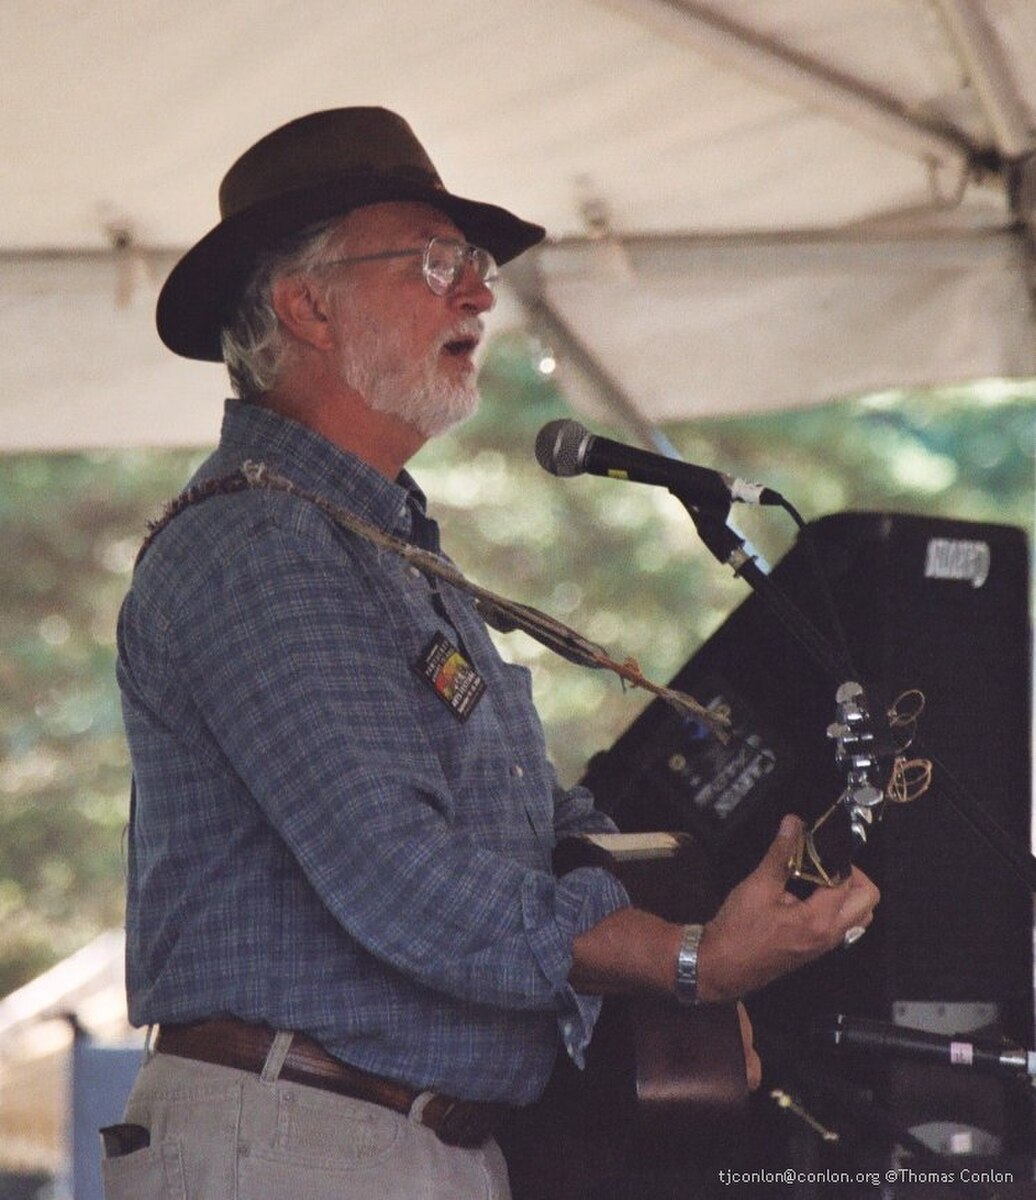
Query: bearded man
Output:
(342,924)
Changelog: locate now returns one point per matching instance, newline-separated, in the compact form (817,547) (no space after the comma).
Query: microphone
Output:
(860,1033)
(566,448)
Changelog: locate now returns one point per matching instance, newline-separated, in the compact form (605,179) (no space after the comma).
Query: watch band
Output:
(687,965)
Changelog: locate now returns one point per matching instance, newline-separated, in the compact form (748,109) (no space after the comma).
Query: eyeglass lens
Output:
(445,259)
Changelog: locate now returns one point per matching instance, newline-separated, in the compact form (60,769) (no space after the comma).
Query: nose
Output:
(472,292)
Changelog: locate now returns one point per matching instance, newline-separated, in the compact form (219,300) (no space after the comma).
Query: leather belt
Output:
(227,1042)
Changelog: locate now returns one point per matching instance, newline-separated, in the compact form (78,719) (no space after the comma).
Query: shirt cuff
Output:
(581,900)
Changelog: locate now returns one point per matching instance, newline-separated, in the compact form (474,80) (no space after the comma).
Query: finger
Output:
(831,912)
(745,1021)
(753,1070)
(753,1063)
(859,899)
(845,910)
(856,911)
(860,880)
(777,860)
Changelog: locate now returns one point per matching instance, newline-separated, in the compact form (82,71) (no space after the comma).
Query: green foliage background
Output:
(620,563)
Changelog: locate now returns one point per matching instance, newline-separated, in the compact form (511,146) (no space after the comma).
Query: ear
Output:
(301,307)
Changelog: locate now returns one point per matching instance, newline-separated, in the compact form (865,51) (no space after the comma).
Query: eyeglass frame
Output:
(470,254)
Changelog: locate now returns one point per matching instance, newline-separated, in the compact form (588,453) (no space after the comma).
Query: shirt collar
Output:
(314,464)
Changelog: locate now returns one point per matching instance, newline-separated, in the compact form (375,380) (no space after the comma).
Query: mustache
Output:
(466,329)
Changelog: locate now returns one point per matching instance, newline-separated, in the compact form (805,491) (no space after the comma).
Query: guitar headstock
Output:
(870,749)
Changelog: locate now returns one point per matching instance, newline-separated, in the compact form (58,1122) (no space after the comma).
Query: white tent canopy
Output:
(750,205)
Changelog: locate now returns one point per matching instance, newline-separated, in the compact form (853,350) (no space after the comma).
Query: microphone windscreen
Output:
(559,447)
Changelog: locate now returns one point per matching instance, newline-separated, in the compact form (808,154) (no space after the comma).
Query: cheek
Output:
(425,337)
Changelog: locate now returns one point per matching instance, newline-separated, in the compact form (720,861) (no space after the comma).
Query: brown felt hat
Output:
(307,171)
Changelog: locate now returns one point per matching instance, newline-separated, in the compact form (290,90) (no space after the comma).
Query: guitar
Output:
(663,1080)
(664,1065)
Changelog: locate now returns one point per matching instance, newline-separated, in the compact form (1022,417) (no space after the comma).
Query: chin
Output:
(436,420)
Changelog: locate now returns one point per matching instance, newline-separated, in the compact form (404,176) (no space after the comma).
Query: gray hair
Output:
(253,343)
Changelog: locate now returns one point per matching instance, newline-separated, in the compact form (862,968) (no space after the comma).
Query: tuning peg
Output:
(850,690)
(867,796)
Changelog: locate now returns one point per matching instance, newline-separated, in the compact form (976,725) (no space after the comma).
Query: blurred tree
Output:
(69,528)
(622,564)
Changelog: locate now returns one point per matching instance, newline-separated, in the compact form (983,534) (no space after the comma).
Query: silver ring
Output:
(853,934)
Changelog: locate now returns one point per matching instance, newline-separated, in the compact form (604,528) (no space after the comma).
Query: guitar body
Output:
(676,1063)
(662,1081)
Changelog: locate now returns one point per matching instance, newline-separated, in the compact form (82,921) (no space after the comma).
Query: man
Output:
(341,914)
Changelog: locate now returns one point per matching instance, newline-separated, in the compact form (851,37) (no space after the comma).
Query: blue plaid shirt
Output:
(317,842)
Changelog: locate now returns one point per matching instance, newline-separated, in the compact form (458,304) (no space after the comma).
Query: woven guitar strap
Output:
(501,613)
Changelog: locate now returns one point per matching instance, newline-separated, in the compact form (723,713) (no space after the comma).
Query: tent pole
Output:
(810,81)
(543,317)
(984,63)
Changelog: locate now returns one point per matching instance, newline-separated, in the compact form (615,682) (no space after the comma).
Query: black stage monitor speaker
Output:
(929,604)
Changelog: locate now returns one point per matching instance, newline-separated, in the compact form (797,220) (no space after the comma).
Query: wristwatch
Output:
(687,965)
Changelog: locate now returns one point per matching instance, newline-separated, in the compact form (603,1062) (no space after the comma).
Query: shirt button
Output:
(518,771)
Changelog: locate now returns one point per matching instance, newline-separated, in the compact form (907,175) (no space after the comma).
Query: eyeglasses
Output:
(443,261)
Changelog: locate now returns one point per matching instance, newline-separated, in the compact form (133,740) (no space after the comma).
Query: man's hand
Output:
(762,932)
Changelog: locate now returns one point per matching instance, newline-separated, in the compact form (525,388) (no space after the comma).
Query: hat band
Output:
(234,202)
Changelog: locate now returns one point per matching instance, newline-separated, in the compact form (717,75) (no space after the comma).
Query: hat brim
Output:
(198,298)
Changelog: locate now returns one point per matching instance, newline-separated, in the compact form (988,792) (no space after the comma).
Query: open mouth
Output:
(459,347)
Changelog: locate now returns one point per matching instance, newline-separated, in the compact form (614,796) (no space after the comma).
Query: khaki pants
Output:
(221,1134)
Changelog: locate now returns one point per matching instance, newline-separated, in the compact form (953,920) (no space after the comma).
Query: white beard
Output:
(418,392)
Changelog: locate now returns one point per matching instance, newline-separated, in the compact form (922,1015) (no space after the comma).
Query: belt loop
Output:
(276,1055)
(149,1043)
(421,1101)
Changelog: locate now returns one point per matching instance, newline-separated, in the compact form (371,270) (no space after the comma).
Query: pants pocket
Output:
(156,1172)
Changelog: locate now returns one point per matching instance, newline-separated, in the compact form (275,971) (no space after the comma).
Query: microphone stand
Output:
(729,549)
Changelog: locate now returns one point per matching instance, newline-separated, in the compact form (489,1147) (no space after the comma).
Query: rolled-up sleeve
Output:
(554,918)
